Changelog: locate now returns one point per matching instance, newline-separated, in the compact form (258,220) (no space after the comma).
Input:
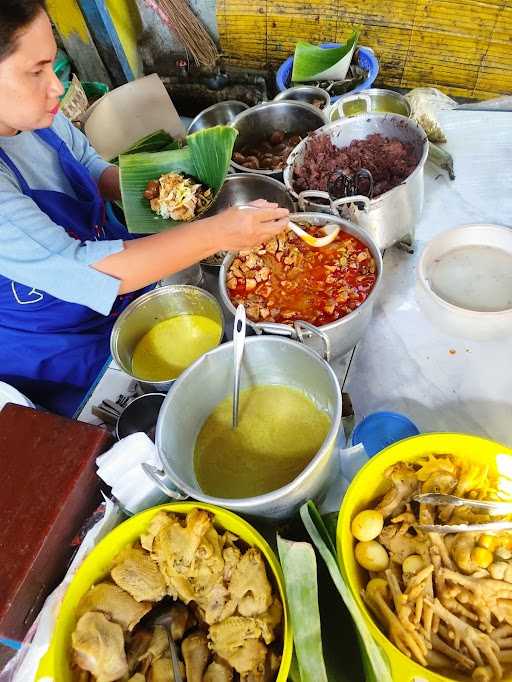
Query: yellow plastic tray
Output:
(56,663)
(369,484)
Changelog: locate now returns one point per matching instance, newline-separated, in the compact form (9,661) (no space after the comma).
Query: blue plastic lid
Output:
(381,429)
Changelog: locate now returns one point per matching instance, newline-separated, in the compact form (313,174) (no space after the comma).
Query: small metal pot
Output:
(389,218)
(148,310)
(262,120)
(374,100)
(266,360)
(336,338)
(140,415)
(218,114)
(305,93)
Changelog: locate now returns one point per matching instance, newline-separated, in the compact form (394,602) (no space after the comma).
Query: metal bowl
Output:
(305,93)
(375,100)
(261,121)
(218,114)
(141,415)
(336,338)
(146,311)
(241,189)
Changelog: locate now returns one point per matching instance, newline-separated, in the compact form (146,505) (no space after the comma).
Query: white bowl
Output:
(464,281)
(9,394)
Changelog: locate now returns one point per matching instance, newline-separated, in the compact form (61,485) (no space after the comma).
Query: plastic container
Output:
(365,58)
(56,663)
(365,488)
(464,282)
(93,90)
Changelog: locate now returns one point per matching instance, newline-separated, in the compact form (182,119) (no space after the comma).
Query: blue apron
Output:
(51,350)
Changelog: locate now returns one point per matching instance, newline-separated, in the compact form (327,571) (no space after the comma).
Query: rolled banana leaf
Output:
(311,62)
(206,157)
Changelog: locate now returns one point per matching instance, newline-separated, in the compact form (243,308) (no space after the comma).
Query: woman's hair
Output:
(14,16)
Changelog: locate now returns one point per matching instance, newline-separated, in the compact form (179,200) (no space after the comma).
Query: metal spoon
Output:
(238,351)
(163,617)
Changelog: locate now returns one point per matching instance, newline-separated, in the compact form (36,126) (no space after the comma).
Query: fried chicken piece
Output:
(218,671)
(158,646)
(138,677)
(249,585)
(231,556)
(404,484)
(217,604)
(158,522)
(98,647)
(195,652)
(161,671)
(400,546)
(136,647)
(237,640)
(137,574)
(115,603)
(270,621)
(181,620)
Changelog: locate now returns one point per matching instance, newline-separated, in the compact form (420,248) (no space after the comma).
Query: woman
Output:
(65,271)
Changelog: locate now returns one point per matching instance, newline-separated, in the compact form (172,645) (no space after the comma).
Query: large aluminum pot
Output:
(196,393)
(148,310)
(259,122)
(389,218)
(242,188)
(336,338)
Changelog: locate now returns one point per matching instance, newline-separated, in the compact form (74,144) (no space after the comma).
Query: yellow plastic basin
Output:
(56,663)
(367,485)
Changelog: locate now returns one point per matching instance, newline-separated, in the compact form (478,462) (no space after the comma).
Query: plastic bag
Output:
(425,103)
(24,665)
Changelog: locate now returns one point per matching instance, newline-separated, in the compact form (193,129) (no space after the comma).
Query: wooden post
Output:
(107,40)
(77,41)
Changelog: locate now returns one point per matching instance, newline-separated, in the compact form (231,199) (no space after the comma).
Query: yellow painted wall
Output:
(463,47)
(67,16)
(126,19)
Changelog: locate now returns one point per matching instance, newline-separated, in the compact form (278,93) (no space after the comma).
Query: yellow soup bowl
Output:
(56,665)
(368,485)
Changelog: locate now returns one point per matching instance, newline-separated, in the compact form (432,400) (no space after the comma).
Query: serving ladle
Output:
(331,232)
(238,352)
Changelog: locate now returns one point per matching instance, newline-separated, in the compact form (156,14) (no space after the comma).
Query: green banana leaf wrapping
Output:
(206,156)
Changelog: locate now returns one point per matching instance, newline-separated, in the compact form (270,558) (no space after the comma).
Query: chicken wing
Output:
(98,647)
(115,603)
(136,573)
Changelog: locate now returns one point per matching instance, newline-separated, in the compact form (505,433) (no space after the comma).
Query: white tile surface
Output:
(405,363)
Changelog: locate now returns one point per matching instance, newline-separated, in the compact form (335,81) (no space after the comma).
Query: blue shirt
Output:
(34,250)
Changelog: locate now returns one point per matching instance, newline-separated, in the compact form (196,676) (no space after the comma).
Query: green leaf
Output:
(206,157)
(311,62)
(375,662)
(299,569)
(159,141)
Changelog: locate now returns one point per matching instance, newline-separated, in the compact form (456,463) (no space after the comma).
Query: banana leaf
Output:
(375,662)
(311,62)
(206,156)
(159,141)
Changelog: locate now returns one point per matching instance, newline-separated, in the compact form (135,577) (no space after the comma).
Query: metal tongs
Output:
(492,508)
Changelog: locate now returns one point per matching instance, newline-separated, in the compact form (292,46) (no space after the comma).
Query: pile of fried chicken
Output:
(221,606)
(444,600)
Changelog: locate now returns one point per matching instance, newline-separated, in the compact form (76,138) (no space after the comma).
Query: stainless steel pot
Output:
(392,216)
(221,113)
(336,338)
(305,93)
(242,188)
(148,310)
(194,396)
(261,121)
(374,100)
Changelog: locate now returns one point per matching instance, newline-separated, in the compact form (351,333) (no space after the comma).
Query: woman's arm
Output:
(108,184)
(148,259)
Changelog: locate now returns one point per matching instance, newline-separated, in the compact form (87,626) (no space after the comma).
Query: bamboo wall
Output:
(464,47)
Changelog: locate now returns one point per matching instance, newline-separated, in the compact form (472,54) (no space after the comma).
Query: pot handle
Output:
(160,479)
(297,332)
(356,199)
(317,194)
(300,326)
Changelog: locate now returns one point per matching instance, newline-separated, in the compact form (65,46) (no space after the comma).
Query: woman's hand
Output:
(243,228)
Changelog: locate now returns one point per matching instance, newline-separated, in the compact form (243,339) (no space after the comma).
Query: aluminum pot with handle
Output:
(390,217)
(197,392)
(337,338)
